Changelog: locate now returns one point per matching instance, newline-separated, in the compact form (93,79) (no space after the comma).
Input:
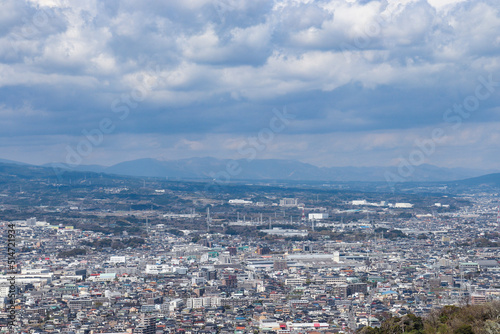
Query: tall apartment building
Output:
(288,202)
(147,326)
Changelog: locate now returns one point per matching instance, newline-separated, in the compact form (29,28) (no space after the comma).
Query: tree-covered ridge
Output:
(472,319)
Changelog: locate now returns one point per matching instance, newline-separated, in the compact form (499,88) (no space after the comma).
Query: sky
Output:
(331,83)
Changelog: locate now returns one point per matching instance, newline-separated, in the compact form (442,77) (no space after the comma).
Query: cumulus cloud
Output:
(218,68)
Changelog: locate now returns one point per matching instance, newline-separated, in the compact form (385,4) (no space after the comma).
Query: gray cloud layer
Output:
(364,79)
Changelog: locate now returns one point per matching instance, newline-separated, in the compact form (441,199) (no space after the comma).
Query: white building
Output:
(239,201)
(198,281)
(175,304)
(105,277)
(288,202)
(366,203)
(298,281)
(403,205)
(156,269)
(5,289)
(180,270)
(287,233)
(118,259)
(195,303)
(318,216)
(181,215)
(34,271)
(36,279)
(42,224)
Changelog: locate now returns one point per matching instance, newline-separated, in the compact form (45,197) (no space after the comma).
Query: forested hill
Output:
(474,319)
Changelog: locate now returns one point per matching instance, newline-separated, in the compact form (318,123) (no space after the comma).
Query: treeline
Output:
(71,253)
(391,234)
(114,243)
(472,319)
(480,242)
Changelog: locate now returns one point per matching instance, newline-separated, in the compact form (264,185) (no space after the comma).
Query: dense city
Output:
(250,167)
(96,255)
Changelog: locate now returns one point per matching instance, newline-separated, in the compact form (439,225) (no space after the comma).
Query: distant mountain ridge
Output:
(274,169)
(492,180)
(12,162)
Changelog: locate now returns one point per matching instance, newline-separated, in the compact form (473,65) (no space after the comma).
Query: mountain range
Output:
(275,169)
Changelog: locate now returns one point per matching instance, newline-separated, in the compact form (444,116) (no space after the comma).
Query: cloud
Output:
(218,68)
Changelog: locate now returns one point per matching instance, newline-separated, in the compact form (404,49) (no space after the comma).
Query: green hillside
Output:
(477,319)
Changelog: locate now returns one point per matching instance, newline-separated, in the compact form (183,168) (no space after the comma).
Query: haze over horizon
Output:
(330,83)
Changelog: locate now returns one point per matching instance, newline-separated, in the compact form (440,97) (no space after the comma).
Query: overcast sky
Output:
(362,82)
